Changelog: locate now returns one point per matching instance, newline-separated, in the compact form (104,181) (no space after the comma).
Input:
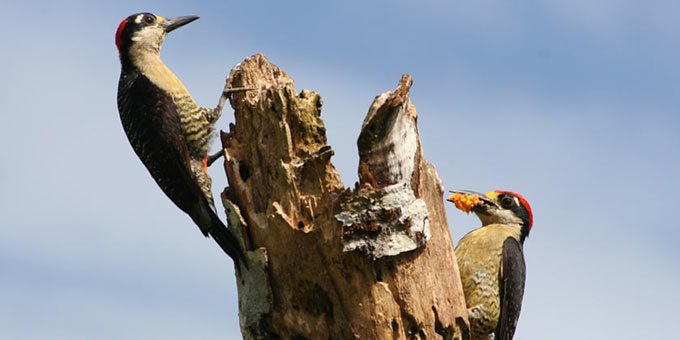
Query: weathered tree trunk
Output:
(326,262)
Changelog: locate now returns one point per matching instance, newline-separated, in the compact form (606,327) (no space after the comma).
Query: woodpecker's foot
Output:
(214,114)
(212,158)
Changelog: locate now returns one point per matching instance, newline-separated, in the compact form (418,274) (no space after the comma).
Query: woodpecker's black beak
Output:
(174,23)
(482,197)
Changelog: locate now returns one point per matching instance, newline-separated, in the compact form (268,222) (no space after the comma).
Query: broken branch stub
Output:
(384,217)
(328,262)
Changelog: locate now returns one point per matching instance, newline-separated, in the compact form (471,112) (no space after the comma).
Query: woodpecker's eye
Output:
(507,202)
(149,19)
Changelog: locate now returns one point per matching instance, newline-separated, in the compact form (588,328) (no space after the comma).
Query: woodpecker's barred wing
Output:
(513,275)
(152,125)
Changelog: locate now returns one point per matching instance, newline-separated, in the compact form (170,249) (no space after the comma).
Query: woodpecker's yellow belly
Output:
(479,260)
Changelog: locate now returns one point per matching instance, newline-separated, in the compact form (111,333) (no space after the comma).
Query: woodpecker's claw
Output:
(214,157)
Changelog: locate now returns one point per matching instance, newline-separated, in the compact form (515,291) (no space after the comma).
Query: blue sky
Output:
(571,103)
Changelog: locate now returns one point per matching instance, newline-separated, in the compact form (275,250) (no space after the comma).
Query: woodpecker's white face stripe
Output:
(517,203)
(496,215)
(149,38)
(138,19)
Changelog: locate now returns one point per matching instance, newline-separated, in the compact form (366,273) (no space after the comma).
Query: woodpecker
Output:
(491,261)
(168,131)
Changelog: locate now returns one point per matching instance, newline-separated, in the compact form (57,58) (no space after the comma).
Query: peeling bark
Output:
(328,262)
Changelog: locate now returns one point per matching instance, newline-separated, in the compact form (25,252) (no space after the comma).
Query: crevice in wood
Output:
(446,332)
(243,170)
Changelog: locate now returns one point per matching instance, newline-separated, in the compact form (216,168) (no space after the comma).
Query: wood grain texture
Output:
(286,201)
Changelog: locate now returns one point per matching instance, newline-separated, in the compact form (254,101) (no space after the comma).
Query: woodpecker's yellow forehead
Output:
(492,195)
(160,19)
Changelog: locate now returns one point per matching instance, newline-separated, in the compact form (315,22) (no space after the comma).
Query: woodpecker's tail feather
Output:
(211,224)
(228,242)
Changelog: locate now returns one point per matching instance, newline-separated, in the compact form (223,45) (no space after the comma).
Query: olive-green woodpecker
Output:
(491,262)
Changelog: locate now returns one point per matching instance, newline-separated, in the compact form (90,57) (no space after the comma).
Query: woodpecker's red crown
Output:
(119,32)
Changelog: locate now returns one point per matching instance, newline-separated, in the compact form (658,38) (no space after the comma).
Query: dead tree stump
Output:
(328,262)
